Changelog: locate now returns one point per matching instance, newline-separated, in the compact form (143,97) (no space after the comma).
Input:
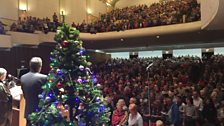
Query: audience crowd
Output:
(163,13)
(183,91)
(31,24)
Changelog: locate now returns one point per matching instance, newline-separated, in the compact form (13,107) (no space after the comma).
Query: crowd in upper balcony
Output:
(164,13)
(183,91)
(31,24)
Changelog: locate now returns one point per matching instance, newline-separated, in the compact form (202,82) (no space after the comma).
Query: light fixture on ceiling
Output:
(157,36)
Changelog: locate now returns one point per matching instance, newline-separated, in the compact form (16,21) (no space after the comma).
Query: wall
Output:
(212,14)
(96,57)
(125,3)
(75,10)
(9,9)
(5,41)
(24,38)
(216,20)
(96,7)
(43,8)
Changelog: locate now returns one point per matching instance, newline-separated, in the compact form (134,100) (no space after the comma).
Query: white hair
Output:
(3,72)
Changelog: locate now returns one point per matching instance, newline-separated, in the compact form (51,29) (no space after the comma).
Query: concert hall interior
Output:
(112,63)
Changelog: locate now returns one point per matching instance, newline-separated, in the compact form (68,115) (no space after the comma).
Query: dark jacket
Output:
(5,106)
(31,86)
(174,115)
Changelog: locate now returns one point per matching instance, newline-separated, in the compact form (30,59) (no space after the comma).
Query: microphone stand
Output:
(148,69)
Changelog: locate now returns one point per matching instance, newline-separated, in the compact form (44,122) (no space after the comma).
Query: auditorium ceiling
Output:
(195,39)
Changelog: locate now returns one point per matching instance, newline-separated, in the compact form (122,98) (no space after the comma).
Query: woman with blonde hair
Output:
(120,114)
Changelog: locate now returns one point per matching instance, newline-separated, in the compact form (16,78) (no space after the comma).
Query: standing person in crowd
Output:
(5,101)
(132,100)
(210,113)
(120,114)
(135,119)
(190,113)
(31,86)
(173,112)
(108,103)
(198,103)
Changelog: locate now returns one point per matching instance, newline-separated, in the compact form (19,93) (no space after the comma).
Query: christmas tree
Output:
(71,96)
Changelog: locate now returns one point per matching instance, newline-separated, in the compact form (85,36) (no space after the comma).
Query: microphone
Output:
(147,68)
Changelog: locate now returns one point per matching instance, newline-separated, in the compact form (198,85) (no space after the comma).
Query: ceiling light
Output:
(22,7)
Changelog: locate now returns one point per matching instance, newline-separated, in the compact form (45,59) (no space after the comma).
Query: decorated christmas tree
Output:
(71,96)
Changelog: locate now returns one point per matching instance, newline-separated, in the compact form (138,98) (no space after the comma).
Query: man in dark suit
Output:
(31,86)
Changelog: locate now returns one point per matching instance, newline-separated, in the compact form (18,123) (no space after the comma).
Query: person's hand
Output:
(147,115)
(164,113)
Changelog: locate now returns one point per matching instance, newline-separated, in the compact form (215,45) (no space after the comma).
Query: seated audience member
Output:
(134,119)
(120,114)
(2,29)
(5,101)
(13,27)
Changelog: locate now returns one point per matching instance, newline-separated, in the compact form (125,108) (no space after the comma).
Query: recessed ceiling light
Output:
(157,36)
(122,39)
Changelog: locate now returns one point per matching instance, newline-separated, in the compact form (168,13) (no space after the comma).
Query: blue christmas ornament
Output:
(59,72)
(77,99)
(51,58)
(90,113)
(94,80)
(82,51)
(50,94)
